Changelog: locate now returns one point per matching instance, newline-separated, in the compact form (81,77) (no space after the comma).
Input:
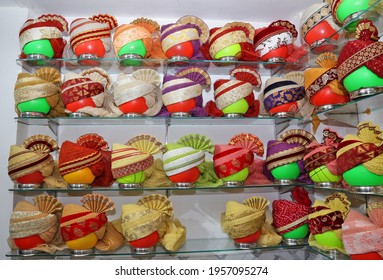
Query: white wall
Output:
(10,21)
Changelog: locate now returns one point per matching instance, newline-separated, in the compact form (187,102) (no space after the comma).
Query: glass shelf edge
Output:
(158,120)
(340,256)
(192,246)
(113,65)
(373,102)
(117,189)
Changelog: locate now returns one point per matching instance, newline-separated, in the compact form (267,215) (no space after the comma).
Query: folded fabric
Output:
(94,84)
(188,152)
(186,85)
(279,33)
(317,78)
(142,83)
(316,15)
(290,147)
(362,234)
(74,157)
(139,29)
(134,156)
(187,29)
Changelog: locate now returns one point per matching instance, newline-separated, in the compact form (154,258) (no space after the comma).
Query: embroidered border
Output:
(359,58)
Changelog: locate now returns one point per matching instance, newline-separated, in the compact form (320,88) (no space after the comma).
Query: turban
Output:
(243,219)
(39,218)
(188,152)
(46,27)
(237,155)
(152,213)
(290,215)
(31,156)
(366,51)
(44,83)
(363,148)
(87,29)
(80,220)
(143,83)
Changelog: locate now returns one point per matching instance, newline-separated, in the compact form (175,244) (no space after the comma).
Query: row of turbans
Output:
(47,225)
(330,225)
(334,82)
(295,156)
(189,35)
(92,92)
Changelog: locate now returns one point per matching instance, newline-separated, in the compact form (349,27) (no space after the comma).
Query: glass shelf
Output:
(350,192)
(192,246)
(359,105)
(115,188)
(328,254)
(114,66)
(365,104)
(197,189)
(261,120)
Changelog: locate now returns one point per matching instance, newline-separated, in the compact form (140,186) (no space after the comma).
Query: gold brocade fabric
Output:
(155,176)
(40,219)
(30,88)
(152,213)
(44,83)
(225,40)
(363,148)
(174,236)
(241,220)
(139,221)
(269,237)
(22,162)
(112,239)
(24,224)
